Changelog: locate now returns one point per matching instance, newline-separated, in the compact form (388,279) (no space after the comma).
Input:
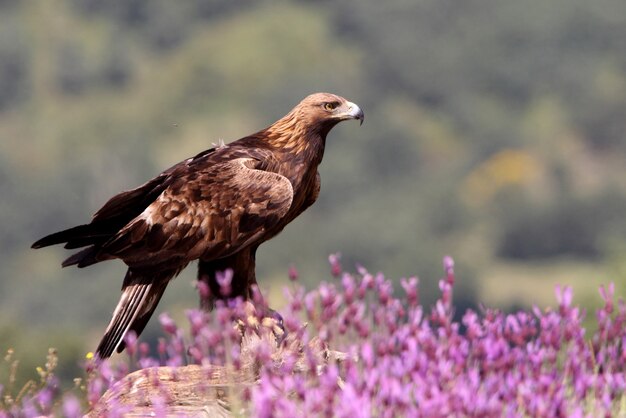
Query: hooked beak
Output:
(354,112)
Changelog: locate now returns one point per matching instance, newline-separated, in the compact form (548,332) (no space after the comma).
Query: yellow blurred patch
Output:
(505,169)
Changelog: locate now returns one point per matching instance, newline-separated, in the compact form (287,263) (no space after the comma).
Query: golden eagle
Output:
(216,207)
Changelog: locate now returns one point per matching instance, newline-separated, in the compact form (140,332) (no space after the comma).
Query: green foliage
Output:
(494,129)
(569,226)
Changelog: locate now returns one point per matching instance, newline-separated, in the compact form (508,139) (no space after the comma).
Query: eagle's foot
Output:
(265,318)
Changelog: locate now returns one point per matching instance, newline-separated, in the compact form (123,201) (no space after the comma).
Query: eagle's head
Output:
(304,129)
(325,110)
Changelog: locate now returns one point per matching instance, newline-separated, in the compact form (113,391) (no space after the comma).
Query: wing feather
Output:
(221,210)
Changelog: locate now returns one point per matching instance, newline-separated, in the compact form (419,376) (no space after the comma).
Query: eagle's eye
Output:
(330,106)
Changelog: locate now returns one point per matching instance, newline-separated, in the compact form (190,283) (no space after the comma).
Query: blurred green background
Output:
(495,133)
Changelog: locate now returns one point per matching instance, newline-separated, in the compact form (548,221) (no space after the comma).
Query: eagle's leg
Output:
(242,283)
(243,277)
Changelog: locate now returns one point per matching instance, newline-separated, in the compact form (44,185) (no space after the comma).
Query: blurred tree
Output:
(571,226)
(72,77)
(494,132)
(14,65)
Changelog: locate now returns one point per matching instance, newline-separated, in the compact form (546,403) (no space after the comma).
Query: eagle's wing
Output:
(209,213)
(116,213)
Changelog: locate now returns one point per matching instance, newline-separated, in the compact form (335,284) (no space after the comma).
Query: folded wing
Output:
(208,214)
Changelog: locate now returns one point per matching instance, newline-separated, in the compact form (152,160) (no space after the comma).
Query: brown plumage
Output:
(216,207)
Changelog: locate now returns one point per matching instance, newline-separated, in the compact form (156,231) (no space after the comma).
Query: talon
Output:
(278,326)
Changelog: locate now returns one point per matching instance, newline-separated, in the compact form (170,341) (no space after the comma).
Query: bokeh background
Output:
(495,132)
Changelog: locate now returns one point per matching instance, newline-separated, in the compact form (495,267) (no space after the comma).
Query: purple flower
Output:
(310,304)
(203,289)
(564,296)
(396,360)
(293,273)
(196,320)
(130,339)
(448,267)
(168,324)
(224,279)
(335,264)
(411,290)
(44,399)
(71,407)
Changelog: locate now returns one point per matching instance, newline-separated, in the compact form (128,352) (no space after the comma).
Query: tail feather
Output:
(83,258)
(67,235)
(125,313)
(91,235)
(137,303)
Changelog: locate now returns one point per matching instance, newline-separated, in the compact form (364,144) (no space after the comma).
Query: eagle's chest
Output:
(306,187)
(306,191)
